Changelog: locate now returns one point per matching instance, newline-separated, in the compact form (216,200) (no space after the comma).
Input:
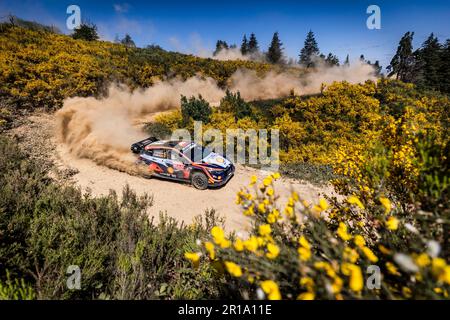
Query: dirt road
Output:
(181,201)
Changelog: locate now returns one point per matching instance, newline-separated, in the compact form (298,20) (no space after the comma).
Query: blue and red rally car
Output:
(184,161)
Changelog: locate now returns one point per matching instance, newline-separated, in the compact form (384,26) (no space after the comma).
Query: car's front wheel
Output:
(199,180)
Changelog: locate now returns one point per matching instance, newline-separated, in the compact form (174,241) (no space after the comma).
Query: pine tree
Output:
(444,73)
(128,42)
(377,68)
(332,60)
(347,61)
(402,64)
(309,51)
(429,59)
(220,45)
(275,52)
(253,44)
(244,45)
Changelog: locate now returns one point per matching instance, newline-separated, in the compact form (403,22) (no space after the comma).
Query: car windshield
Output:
(197,153)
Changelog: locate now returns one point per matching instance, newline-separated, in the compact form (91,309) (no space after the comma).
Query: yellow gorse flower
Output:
(440,270)
(392,269)
(209,246)
(272,251)
(238,245)
(304,251)
(264,230)
(392,223)
(422,260)
(351,255)
(356,282)
(251,244)
(342,232)
(322,206)
(194,257)
(306,296)
(359,241)
(386,203)
(267,181)
(219,237)
(233,269)
(356,201)
(270,288)
(369,254)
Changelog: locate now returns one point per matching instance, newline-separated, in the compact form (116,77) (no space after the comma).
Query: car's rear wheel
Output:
(199,180)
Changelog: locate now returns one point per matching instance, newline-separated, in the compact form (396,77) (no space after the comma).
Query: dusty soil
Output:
(181,201)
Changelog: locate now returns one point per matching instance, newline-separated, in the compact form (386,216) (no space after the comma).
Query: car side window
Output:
(176,156)
(159,153)
(149,152)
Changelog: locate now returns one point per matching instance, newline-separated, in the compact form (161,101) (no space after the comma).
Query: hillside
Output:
(41,68)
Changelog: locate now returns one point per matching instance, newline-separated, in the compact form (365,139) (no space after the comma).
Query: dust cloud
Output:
(103,129)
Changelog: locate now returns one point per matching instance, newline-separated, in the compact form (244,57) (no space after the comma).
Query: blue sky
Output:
(194,26)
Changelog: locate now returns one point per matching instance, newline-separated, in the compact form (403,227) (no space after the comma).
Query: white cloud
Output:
(121,7)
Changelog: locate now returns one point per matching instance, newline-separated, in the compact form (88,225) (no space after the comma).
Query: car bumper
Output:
(221,182)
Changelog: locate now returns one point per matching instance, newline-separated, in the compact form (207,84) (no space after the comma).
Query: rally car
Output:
(184,161)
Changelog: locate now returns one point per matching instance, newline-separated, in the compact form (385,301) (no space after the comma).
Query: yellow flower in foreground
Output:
(265,229)
(342,232)
(306,296)
(262,207)
(350,255)
(440,270)
(322,206)
(271,218)
(356,278)
(406,292)
(238,245)
(422,260)
(289,211)
(270,288)
(276,175)
(233,269)
(355,200)
(219,237)
(209,246)
(251,244)
(304,253)
(336,287)
(386,203)
(272,251)
(253,180)
(359,241)
(267,181)
(218,234)
(383,249)
(392,223)
(194,257)
(392,269)
(307,282)
(304,243)
(369,254)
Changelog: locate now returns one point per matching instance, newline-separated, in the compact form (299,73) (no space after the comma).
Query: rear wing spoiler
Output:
(137,147)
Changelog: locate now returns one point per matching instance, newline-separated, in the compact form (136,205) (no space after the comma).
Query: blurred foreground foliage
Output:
(122,254)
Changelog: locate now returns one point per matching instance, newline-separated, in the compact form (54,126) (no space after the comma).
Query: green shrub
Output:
(197,109)
(232,102)
(46,227)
